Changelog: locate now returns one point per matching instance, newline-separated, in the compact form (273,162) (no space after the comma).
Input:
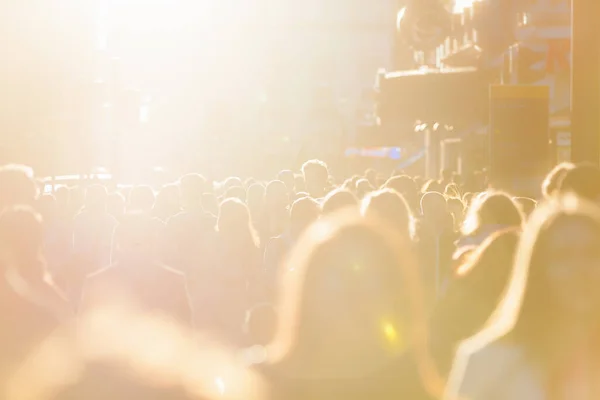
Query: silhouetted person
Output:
(389,206)
(473,294)
(17,186)
(542,342)
(316,177)
(338,200)
(287,177)
(304,212)
(276,213)
(154,287)
(552,181)
(583,180)
(141,199)
(93,230)
(31,306)
(190,233)
(344,323)
(489,213)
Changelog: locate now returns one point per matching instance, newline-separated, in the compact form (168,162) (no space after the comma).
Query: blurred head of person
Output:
(255,199)
(491,211)
(432,186)
(96,199)
(234,223)
(276,196)
(316,177)
(235,192)
(551,305)
(108,357)
(17,186)
(287,177)
(407,187)
(232,181)
(339,199)
(452,191)
(583,181)
(480,282)
(447,175)
(527,204)
(21,241)
(371,177)
(141,199)
(350,300)
(167,202)
(363,187)
(116,205)
(389,206)
(192,187)
(433,206)
(554,177)
(304,212)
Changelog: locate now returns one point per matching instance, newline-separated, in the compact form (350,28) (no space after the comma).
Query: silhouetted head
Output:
(17,186)
(316,176)
(141,198)
(492,209)
(554,177)
(22,240)
(583,180)
(338,200)
(389,206)
(304,212)
(287,177)
(192,187)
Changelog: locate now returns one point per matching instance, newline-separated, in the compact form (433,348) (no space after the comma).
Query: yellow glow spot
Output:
(356,267)
(390,332)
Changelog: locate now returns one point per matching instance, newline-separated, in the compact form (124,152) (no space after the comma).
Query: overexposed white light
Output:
(460,5)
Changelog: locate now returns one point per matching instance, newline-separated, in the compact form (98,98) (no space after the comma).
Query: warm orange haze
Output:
(314,200)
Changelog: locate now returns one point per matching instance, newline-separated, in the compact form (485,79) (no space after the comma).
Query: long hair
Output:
(234,223)
(492,208)
(350,269)
(530,312)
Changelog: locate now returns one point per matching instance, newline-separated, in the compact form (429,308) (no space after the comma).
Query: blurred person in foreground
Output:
(138,275)
(31,306)
(552,181)
(542,342)
(17,186)
(119,352)
(350,306)
(303,213)
(583,180)
(236,274)
(472,296)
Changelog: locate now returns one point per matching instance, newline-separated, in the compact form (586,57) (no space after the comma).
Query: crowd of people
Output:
(301,287)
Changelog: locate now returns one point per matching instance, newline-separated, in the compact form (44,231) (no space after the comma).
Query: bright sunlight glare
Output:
(460,5)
